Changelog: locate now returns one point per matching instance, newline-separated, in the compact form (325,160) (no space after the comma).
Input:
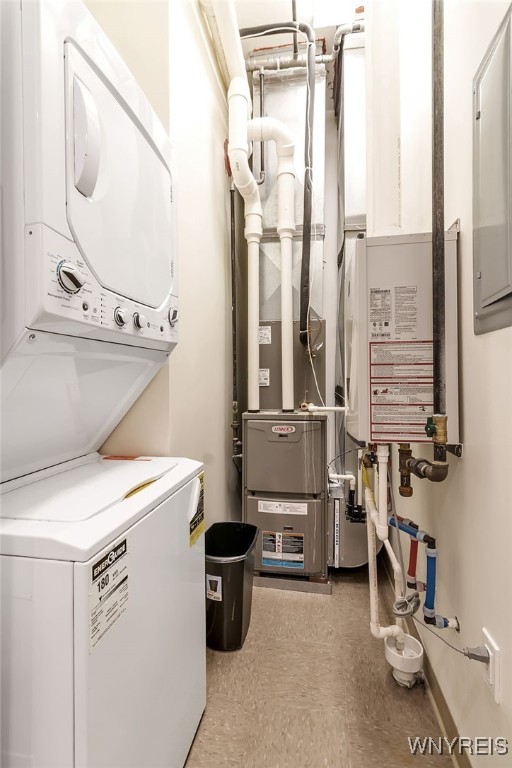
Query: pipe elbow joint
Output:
(436,471)
(271,129)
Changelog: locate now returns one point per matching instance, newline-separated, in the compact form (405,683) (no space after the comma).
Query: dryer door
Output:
(118,188)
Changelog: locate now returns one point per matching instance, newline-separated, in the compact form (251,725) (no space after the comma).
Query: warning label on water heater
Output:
(401,390)
(285,550)
(108,591)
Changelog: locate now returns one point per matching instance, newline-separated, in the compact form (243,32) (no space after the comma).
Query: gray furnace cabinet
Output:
(285,490)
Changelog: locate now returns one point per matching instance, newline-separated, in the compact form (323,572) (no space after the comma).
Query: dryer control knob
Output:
(173,316)
(121,316)
(139,320)
(69,277)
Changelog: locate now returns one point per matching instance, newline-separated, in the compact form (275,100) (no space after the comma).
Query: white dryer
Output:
(87,236)
(102,562)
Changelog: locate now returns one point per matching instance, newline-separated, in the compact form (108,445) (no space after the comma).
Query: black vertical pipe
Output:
(438,254)
(262,143)
(294,15)
(234,339)
(308,191)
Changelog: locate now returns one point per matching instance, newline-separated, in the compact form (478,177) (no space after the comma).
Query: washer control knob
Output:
(69,277)
(121,316)
(173,316)
(139,320)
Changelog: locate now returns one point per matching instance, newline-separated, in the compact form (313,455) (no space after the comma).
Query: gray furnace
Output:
(285,491)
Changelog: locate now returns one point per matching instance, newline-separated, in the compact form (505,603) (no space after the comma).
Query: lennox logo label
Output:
(283,429)
(109,559)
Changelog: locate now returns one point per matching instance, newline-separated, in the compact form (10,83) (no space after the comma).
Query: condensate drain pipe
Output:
(373,525)
(322,408)
(394,630)
(347,476)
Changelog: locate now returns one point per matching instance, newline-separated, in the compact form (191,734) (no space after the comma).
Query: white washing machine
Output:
(102,562)
(102,616)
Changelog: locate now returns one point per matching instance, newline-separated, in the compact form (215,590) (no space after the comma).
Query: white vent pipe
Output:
(221,16)
(270,129)
(241,131)
(238,152)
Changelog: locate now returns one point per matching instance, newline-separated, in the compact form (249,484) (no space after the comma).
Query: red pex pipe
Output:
(413,557)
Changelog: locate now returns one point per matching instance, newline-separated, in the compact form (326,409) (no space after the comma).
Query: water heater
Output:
(388,338)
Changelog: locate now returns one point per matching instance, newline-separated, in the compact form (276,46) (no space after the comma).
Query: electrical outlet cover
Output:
(492,671)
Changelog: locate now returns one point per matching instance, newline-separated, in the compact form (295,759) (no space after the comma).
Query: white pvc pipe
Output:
(347,29)
(347,476)
(270,129)
(397,574)
(238,148)
(287,324)
(375,628)
(359,479)
(238,152)
(322,408)
(383,458)
(221,15)
(253,315)
(371,511)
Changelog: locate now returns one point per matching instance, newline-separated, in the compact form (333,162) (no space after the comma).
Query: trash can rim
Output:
(235,559)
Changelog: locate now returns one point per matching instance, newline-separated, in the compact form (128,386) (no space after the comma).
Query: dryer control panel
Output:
(64,296)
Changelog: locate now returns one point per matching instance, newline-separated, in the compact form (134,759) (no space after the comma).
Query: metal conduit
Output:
(438,254)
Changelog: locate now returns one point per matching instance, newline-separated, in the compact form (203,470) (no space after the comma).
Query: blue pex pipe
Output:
(430,595)
(404,527)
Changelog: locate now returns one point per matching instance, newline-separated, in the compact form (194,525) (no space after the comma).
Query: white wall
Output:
(200,368)
(186,410)
(471,513)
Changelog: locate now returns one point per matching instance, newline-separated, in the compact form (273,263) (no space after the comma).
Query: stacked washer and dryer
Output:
(101,557)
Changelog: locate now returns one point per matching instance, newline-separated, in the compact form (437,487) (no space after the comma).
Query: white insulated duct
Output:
(240,132)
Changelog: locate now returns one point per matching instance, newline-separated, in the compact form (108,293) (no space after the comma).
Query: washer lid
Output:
(118,187)
(85,491)
(72,515)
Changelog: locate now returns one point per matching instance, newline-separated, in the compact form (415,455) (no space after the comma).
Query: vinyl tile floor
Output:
(311,689)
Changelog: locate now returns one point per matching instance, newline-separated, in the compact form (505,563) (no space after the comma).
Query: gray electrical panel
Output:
(285,490)
(492,185)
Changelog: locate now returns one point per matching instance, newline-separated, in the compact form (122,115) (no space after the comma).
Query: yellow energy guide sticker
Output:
(197,522)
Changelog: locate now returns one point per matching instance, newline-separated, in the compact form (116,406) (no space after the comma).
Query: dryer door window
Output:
(118,188)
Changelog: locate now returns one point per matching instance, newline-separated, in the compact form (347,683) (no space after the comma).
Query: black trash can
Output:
(229,552)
